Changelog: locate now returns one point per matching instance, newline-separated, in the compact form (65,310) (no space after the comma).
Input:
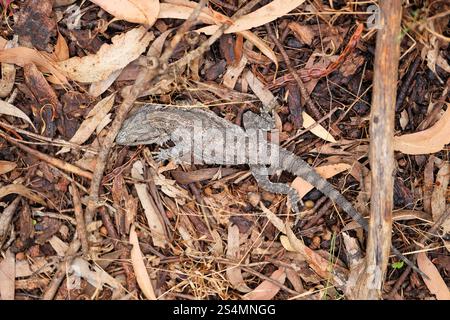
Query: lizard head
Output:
(146,126)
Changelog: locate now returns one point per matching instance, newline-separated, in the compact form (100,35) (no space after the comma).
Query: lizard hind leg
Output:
(261,174)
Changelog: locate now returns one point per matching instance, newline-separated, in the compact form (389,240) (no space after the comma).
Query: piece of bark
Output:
(35,24)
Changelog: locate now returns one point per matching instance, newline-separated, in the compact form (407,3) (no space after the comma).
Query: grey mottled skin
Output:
(156,124)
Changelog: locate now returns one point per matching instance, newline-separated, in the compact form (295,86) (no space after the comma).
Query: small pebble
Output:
(309,204)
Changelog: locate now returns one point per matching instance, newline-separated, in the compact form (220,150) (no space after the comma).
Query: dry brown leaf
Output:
(267,290)
(7,166)
(10,110)
(438,197)
(234,274)
(430,140)
(327,171)
(317,130)
(319,264)
(23,191)
(8,276)
(154,219)
(93,274)
(137,260)
(61,52)
(259,17)
(58,245)
(7,79)
(435,283)
(233,72)
(261,45)
(22,56)
(92,121)
(180,9)
(302,32)
(274,219)
(136,11)
(125,48)
(99,87)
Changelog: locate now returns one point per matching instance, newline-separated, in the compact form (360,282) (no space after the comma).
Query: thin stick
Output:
(59,276)
(387,55)
(58,163)
(79,217)
(422,241)
(303,91)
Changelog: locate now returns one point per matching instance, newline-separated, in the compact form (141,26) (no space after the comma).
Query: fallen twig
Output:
(81,226)
(422,241)
(62,269)
(58,163)
(305,95)
(381,150)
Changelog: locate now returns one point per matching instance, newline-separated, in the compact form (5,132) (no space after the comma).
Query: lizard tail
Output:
(297,166)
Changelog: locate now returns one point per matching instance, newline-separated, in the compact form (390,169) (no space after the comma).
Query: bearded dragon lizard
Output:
(201,136)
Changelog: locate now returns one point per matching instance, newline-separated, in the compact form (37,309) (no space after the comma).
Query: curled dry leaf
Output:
(61,52)
(10,110)
(137,11)
(435,283)
(23,191)
(93,119)
(8,75)
(328,171)
(125,48)
(267,290)
(430,140)
(182,10)
(154,220)
(234,274)
(317,130)
(261,45)
(438,197)
(7,166)
(137,260)
(303,33)
(22,56)
(99,87)
(259,17)
(274,219)
(318,263)
(7,276)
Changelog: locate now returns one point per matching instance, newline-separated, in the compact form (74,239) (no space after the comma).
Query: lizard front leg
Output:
(174,153)
(261,174)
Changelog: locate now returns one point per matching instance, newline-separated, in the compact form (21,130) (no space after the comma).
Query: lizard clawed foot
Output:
(163,155)
(294,199)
